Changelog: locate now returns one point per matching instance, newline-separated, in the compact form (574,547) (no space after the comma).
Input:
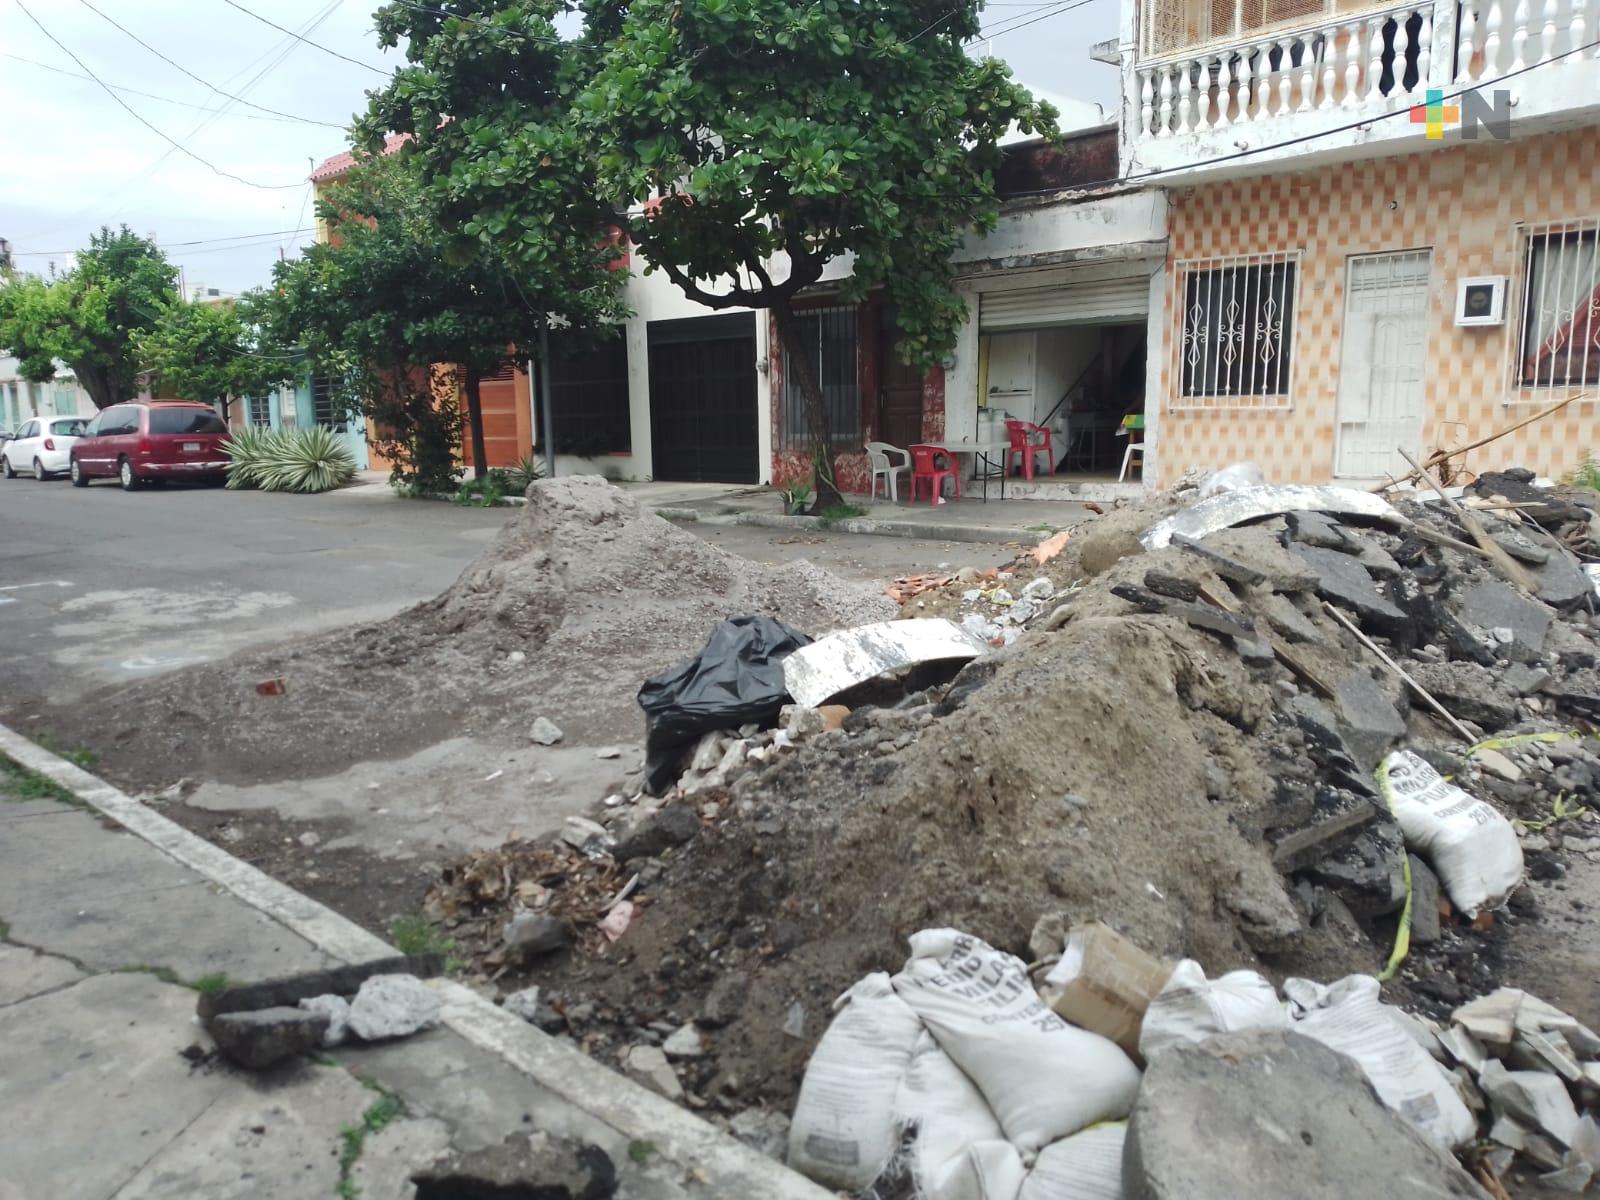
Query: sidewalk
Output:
(105,926)
(970,519)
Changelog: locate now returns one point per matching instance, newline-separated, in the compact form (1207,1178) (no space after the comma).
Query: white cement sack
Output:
(1085,1166)
(1349,1018)
(844,1129)
(943,1110)
(1472,847)
(1192,1008)
(991,1170)
(1043,1079)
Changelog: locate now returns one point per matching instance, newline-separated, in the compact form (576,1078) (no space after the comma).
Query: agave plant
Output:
(246,451)
(301,460)
(529,468)
(309,460)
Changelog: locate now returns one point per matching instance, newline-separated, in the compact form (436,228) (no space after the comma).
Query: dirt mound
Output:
(1181,744)
(580,596)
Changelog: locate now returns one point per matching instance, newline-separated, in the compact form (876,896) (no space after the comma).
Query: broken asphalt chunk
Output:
(265,1037)
(1342,580)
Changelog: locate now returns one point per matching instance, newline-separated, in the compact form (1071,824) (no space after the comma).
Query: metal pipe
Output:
(546,406)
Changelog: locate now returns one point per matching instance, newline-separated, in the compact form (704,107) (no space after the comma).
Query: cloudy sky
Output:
(72,158)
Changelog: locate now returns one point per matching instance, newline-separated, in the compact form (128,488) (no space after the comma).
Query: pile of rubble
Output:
(1178,730)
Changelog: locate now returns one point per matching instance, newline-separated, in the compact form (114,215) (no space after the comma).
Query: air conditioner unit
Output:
(1481,300)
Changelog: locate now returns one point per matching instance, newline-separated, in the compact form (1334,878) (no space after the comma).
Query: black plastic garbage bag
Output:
(737,679)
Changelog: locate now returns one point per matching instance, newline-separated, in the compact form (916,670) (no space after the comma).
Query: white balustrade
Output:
(1489,44)
(1361,60)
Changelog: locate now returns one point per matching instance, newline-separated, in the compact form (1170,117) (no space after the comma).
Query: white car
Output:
(40,447)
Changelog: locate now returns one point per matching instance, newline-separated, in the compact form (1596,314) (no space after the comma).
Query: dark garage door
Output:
(703,399)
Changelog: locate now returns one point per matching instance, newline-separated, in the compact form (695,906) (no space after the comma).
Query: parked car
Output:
(151,441)
(42,446)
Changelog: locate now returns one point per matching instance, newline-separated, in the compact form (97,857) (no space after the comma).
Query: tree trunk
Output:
(101,386)
(475,422)
(818,425)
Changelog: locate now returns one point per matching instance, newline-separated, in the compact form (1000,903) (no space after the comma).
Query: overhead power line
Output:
(134,113)
(317,45)
(202,82)
(128,91)
(233,237)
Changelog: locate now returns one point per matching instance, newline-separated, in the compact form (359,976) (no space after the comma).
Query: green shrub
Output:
(282,460)
(485,492)
(1585,474)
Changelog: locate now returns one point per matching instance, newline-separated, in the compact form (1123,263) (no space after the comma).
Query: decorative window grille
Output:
(1236,331)
(259,411)
(831,336)
(1558,343)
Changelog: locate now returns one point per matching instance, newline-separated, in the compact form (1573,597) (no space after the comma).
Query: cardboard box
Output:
(1104,983)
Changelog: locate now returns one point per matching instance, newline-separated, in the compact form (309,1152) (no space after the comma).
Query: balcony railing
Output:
(1348,64)
(1355,62)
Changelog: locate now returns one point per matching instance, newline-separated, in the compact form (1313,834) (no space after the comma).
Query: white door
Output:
(1382,363)
(21,449)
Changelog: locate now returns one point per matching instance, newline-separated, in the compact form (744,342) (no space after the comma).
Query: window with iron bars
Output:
(1236,331)
(831,337)
(258,411)
(1558,344)
(327,403)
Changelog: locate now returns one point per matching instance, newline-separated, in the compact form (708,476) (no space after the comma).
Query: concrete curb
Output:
(862,525)
(726,1166)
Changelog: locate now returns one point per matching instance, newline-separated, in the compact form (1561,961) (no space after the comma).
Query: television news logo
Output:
(1472,112)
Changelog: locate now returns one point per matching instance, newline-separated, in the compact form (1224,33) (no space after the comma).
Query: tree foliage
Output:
(90,316)
(396,290)
(744,144)
(214,353)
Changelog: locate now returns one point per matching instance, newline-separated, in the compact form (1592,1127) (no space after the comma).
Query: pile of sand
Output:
(580,597)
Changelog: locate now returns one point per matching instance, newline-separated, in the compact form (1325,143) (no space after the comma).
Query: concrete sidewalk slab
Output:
(100,1056)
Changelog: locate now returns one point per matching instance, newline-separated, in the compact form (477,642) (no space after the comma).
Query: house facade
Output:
(21,400)
(1382,226)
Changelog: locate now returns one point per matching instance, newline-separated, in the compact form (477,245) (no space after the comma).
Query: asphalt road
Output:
(100,587)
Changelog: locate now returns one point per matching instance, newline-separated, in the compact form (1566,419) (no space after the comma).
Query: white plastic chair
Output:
(878,455)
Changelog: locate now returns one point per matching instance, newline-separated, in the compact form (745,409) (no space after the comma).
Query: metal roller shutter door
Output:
(1087,303)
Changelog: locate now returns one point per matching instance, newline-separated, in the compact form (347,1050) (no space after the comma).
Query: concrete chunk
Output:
(1371,722)
(1468,691)
(391,1006)
(1496,605)
(289,990)
(263,1038)
(1274,1113)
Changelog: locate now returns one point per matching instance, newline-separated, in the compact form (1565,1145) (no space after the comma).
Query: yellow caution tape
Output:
(1522,739)
(1402,937)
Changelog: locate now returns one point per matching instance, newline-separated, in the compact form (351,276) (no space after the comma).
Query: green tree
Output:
(746,144)
(394,292)
(89,317)
(214,353)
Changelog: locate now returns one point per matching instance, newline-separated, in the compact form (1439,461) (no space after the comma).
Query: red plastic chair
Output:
(1028,439)
(925,466)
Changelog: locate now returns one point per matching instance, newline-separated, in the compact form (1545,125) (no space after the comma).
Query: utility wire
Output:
(134,113)
(1012,24)
(44,66)
(235,237)
(318,45)
(203,83)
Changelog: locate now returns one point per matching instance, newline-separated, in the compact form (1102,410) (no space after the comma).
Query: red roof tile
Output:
(339,164)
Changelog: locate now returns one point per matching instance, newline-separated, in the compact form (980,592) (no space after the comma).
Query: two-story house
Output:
(1383,224)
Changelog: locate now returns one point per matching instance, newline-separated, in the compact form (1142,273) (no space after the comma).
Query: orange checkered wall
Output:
(1463,202)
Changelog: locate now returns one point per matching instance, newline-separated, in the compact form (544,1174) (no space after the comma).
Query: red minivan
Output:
(145,440)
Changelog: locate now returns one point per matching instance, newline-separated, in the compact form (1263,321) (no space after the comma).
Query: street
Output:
(99,587)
